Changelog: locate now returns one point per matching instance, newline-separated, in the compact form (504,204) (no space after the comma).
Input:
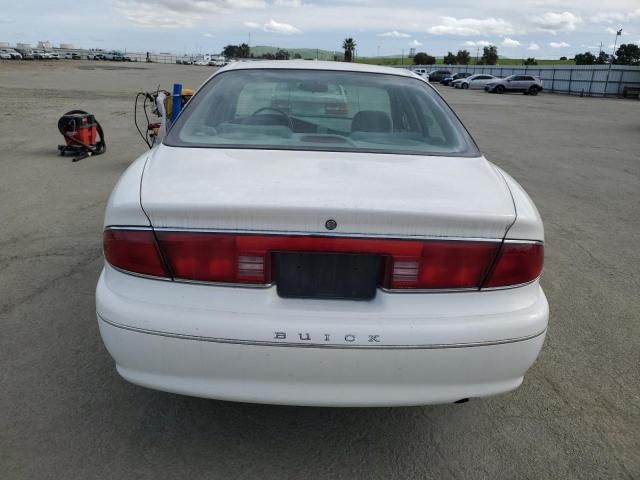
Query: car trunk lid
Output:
(298,192)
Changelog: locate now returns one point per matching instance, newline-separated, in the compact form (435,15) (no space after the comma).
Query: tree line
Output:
(244,51)
(462,57)
(627,54)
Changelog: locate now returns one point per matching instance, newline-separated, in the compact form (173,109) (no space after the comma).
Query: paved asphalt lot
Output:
(65,413)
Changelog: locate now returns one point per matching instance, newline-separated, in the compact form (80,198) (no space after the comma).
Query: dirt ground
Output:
(65,413)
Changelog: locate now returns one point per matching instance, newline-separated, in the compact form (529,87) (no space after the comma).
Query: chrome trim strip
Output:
(460,290)
(434,290)
(537,242)
(135,274)
(263,343)
(221,284)
(509,287)
(320,234)
(333,233)
(128,227)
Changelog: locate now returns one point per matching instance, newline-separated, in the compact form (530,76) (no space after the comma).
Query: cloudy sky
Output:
(540,28)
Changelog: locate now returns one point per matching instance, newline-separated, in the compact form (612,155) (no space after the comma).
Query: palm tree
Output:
(349,46)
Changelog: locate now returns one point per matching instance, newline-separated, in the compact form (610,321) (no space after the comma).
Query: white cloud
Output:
(414,43)
(611,17)
(394,33)
(178,14)
(533,46)
(472,26)
(557,22)
(559,44)
(510,43)
(288,3)
(607,17)
(274,27)
(479,43)
(208,35)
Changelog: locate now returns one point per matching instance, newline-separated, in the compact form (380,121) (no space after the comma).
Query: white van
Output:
(423,72)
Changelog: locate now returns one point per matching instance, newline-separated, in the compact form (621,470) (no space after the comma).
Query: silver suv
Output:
(527,84)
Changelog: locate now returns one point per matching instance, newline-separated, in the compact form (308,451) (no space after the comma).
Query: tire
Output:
(500,89)
(464,86)
(533,90)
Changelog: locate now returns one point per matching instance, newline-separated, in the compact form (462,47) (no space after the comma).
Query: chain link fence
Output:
(584,80)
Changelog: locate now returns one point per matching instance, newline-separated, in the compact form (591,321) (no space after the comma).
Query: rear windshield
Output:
(320,110)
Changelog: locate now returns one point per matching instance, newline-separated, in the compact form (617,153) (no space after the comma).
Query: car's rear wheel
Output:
(499,89)
(464,85)
(533,90)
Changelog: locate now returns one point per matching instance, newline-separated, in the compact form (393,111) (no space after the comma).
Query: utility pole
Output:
(402,58)
(606,83)
(477,55)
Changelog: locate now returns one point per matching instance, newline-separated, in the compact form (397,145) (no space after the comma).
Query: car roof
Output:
(317,65)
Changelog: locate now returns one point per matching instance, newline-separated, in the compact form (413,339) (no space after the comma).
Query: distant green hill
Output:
(312,53)
(307,53)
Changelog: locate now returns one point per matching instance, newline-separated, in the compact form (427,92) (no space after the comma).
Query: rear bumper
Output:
(223,343)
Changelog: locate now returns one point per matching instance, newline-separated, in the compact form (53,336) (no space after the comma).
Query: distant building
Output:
(4,44)
(68,46)
(23,45)
(44,45)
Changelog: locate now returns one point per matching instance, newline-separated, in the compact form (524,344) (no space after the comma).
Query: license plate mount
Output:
(327,275)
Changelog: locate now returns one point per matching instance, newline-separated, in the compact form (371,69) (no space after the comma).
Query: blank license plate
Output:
(327,275)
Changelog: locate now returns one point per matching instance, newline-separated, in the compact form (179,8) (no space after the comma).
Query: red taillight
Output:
(411,264)
(133,250)
(516,264)
(246,259)
(211,257)
(444,265)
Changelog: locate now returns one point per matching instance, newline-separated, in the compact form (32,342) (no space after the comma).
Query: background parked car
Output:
(42,55)
(12,53)
(27,53)
(450,78)
(437,75)
(114,56)
(474,81)
(528,84)
(4,55)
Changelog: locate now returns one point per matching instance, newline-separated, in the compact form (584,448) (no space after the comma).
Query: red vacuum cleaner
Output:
(83,135)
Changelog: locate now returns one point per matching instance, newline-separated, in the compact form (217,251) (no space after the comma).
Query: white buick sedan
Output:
(286,244)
